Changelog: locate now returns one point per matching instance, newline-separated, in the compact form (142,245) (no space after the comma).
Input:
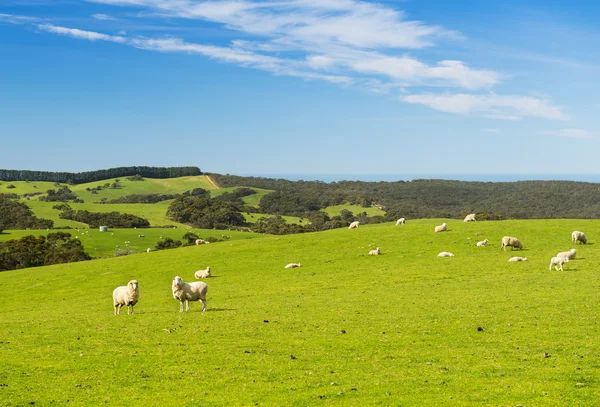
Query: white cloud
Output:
(80,34)
(14,19)
(104,17)
(490,105)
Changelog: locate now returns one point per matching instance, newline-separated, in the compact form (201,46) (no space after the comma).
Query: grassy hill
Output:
(403,328)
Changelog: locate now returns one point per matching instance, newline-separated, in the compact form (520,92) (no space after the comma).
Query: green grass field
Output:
(404,328)
(355,209)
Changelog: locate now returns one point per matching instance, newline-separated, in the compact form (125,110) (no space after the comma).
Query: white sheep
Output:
(202,273)
(484,242)
(126,295)
(354,225)
(577,235)
(148,250)
(517,259)
(292,265)
(187,292)
(512,242)
(558,261)
(446,254)
(200,241)
(401,221)
(441,228)
(570,254)
(469,218)
(375,252)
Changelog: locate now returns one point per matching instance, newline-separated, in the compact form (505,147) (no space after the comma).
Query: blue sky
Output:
(301,86)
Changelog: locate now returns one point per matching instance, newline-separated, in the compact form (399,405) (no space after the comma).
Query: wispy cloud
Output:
(81,34)
(511,107)
(103,17)
(572,133)
(14,19)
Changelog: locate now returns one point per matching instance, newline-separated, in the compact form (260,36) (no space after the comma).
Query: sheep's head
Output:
(133,285)
(177,282)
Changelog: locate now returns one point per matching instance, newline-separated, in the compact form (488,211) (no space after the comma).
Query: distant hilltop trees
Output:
(99,175)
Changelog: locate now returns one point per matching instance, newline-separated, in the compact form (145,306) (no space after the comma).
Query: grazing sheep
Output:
(577,235)
(469,218)
(202,273)
(292,265)
(512,242)
(484,242)
(401,221)
(148,250)
(516,259)
(570,254)
(200,241)
(558,261)
(441,228)
(374,252)
(187,292)
(354,225)
(126,295)
(446,254)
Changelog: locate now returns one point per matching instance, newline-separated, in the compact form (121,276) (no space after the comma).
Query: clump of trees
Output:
(32,251)
(168,243)
(205,213)
(141,198)
(17,215)
(111,219)
(63,194)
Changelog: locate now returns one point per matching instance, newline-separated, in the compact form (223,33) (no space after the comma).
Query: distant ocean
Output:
(409,177)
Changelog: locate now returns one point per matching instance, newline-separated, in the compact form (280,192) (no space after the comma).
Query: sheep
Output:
(570,254)
(126,295)
(187,292)
(446,254)
(484,242)
(148,250)
(469,218)
(401,221)
(200,241)
(202,273)
(292,265)
(374,252)
(516,259)
(354,225)
(512,242)
(441,228)
(577,235)
(558,261)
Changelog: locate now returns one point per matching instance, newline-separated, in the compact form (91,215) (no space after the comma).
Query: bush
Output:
(168,243)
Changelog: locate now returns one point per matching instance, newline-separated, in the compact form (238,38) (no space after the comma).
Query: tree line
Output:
(99,175)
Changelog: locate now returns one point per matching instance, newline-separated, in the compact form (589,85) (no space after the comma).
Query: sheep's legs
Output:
(187,305)
(181,306)
(203,305)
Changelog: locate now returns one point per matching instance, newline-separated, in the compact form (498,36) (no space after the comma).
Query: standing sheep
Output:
(577,235)
(570,254)
(126,295)
(187,292)
(202,273)
(558,261)
(469,218)
(374,252)
(354,225)
(484,242)
(401,221)
(441,228)
(512,242)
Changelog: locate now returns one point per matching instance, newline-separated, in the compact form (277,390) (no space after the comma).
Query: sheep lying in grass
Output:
(401,221)
(202,273)
(578,236)
(292,265)
(446,254)
(570,254)
(469,218)
(558,262)
(484,242)
(517,259)
(354,225)
(127,295)
(200,241)
(441,228)
(374,252)
(512,242)
(186,292)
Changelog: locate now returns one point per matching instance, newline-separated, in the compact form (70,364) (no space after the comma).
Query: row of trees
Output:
(17,215)
(32,251)
(111,219)
(99,175)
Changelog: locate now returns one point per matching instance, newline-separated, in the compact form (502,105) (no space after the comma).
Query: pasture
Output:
(403,328)
(355,209)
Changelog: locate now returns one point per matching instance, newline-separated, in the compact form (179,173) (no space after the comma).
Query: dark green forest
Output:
(429,198)
(99,175)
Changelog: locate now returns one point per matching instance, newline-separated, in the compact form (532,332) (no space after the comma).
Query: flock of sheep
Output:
(129,295)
